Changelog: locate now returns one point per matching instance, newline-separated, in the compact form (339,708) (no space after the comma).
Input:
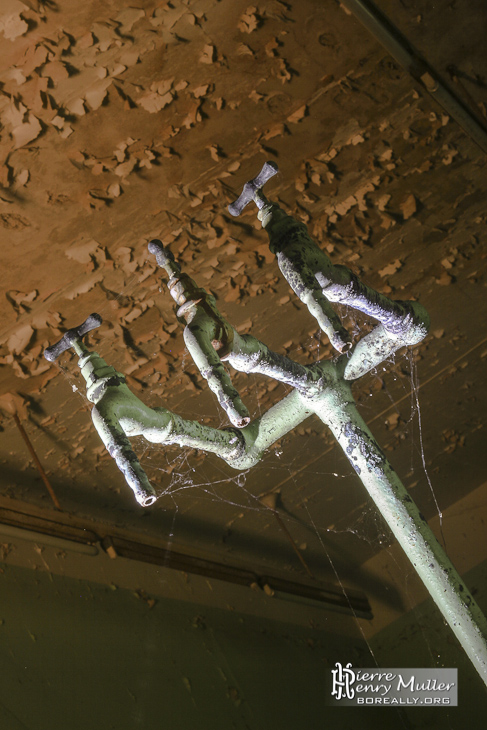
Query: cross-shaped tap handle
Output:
(72,337)
(251,189)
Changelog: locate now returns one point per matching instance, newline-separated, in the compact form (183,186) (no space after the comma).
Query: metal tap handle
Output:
(71,336)
(165,259)
(208,336)
(251,189)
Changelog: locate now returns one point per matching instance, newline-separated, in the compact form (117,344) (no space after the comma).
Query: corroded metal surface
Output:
(322,389)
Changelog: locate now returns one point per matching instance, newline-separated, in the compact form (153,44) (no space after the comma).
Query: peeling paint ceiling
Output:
(122,123)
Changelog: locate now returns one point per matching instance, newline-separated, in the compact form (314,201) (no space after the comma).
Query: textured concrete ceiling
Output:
(123,123)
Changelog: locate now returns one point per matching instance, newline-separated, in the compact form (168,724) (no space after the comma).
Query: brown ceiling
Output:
(121,123)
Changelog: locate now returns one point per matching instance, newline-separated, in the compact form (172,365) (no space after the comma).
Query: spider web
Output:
(184,478)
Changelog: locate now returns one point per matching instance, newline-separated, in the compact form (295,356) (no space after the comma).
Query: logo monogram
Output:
(343,679)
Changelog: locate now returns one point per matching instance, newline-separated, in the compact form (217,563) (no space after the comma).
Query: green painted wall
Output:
(77,655)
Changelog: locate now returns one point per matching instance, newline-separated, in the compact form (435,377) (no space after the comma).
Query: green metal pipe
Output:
(337,410)
(322,389)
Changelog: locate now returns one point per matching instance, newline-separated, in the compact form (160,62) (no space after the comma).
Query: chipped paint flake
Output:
(12,25)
